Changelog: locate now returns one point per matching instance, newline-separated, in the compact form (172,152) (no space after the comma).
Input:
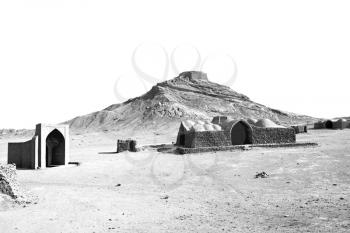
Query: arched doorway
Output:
(329,125)
(240,134)
(55,149)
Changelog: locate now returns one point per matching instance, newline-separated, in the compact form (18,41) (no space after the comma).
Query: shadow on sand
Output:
(107,153)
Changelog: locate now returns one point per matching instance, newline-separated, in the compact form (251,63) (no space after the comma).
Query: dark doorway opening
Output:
(133,146)
(55,149)
(182,140)
(329,125)
(240,134)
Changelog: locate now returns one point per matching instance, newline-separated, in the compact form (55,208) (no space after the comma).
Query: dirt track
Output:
(308,190)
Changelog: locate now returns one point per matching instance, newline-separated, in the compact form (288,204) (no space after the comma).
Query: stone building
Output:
(300,128)
(48,148)
(222,131)
(194,134)
(332,124)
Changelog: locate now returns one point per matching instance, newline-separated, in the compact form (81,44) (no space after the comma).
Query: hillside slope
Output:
(189,96)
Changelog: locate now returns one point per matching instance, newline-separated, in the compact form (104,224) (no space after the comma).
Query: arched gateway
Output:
(48,148)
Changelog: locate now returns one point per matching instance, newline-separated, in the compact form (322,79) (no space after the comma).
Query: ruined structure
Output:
(221,132)
(319,125)
(49,147)
(300,128)
(126,145)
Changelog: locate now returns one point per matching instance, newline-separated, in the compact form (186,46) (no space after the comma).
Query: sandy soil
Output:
(308,189)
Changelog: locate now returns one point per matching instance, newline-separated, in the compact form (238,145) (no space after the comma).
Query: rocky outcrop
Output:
(8,181)
(9,185)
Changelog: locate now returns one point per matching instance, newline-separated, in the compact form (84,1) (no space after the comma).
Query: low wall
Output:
(23,154)
(273,135)
(182,150)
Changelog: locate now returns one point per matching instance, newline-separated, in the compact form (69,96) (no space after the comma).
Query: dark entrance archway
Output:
(241,134)
(329,125)
(182,140)
(55,149)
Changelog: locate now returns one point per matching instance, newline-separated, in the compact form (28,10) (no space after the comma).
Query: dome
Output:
(342,120)
(252,121)
(217,127)
(198,127)
(200,122)
(188,124)
(267,123)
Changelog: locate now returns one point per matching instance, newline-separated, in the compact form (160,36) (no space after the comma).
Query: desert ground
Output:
(308,189)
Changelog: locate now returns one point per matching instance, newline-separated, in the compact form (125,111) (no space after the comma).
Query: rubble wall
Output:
(273,135)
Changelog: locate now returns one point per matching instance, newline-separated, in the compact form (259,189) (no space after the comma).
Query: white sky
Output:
(61,59)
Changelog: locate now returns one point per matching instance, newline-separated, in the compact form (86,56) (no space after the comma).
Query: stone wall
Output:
(23,154)
(272,135)
(319,125)
(340,124)
(300,128)
(126,145)
(209,139)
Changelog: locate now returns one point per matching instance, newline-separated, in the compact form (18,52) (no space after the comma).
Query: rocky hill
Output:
(189,96)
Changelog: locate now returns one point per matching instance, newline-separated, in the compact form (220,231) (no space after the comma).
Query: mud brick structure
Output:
(320,125)
(300,128)
(273,135)
(48,148)
(197,139)
(126,145)
(332,124)
(221,132)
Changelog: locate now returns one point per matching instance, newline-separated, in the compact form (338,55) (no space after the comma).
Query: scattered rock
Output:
(10,186)
(261,175)
(75,163)
(118,185)
(165,197)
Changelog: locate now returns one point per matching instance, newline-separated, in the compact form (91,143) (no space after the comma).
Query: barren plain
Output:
(308,189)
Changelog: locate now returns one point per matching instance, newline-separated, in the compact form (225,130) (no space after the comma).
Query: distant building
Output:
(300,128)
(49,147)
(332,124)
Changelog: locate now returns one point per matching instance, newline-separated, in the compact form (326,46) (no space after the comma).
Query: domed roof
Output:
(188,124)
(252,121)
(200,126)
(342,120)
(228,125)
(267,123)
(217,127)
